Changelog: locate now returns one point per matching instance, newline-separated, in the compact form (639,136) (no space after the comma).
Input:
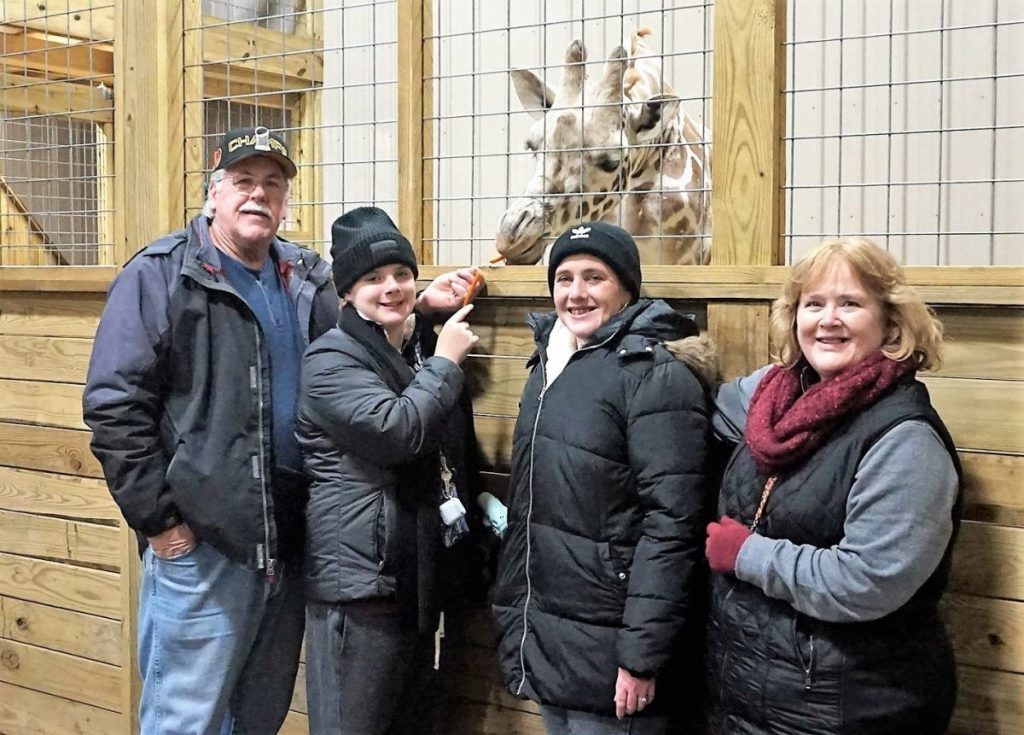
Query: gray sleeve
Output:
(731,404)
(898,522)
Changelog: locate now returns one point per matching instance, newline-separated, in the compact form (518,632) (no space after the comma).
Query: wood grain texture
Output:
(993,488)
(750,121)
(50,450)
(67,631)
(983,343)
(58,539)
(988,561)
(740,332)
(70,677)
(987,633)
(26,712)
(55,359)
(42,404)
(988,703)
(90,591)
(984,415)
(78,498)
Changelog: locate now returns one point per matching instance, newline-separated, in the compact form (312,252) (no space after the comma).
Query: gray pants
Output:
(558,721)
(366,674)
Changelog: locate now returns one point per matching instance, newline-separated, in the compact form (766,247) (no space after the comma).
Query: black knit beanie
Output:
(605,241)
(363,239)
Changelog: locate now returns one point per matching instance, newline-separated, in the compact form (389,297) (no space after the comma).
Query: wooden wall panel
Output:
(988,702)
(986,632)
(986,415)
(60,495)
(983,343)
(27,712)
(988,561)
(74,633)
(70,677)
(69,315)
(90,591)
(46,449)
(994,488)
(54,538)
(44,404)
(56,359)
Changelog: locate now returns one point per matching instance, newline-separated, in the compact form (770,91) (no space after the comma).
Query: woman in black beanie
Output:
(599,580)
(383,428)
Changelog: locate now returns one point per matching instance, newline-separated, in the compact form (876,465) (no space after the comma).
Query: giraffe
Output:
(617,148)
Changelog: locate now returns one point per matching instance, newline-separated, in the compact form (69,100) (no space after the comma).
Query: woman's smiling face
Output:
(838,323)
(587,293)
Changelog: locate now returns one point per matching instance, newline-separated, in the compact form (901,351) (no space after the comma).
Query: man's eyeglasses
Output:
(272,186)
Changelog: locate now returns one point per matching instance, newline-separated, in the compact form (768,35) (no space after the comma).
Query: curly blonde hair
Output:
(910,327)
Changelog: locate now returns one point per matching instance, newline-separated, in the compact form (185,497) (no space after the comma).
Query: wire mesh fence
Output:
(905,124)
(56,133)
(520,155)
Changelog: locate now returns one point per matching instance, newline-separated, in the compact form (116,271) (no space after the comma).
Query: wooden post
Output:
(749,164)
(149,201)
(415,145)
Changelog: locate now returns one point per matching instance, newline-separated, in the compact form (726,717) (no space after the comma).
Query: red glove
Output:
(723,545)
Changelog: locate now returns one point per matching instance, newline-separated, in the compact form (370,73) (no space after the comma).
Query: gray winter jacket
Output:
(369,429)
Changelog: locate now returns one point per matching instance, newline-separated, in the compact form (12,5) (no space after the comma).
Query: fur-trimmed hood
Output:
(699,353)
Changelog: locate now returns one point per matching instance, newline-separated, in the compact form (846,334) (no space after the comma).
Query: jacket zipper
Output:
(809,665)
(529,506)
(529,514)
(263,557)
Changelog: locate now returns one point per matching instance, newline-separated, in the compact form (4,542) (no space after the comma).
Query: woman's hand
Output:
(456,338)
(632,694)
(725,539)
(445,293)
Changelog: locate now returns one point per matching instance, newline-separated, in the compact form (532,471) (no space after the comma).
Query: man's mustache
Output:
(255,208)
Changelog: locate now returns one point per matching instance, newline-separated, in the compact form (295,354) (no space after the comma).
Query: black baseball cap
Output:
(243,143)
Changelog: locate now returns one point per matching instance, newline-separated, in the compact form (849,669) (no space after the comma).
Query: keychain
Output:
(453,513)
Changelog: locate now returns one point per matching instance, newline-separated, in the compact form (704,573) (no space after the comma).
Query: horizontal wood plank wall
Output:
(61,611)
(979,393)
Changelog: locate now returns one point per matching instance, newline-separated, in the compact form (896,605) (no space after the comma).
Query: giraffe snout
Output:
(520,232)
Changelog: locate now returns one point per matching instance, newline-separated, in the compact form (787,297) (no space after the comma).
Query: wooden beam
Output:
(750,124)
(981,286)
(90,60)
(148,118)
(31,96)
(413,107)
(75,18)
(283,59)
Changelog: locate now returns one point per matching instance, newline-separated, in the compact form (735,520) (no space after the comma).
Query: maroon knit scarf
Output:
(785,424)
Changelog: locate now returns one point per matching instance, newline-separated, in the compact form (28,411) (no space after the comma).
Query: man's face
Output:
(251,201)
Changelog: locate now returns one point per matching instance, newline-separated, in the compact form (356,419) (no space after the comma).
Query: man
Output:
(191,395)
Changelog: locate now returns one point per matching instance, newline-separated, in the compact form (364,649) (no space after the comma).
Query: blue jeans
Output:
(218,645)
(558,721)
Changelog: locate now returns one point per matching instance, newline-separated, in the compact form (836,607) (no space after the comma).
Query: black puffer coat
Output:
(604,549)
(370,431)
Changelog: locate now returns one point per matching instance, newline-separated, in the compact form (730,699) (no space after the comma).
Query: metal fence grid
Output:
(56,133)
(321,73)
(905,124)
(480,164)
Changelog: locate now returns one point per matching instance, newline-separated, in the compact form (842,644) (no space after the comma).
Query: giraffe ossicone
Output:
(619,148)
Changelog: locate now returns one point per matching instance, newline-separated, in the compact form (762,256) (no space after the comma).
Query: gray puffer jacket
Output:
(369,429)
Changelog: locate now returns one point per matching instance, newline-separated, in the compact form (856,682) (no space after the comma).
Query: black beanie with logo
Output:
(604,241)
(363,239)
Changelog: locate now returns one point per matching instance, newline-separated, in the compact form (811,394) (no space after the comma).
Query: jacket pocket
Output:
(385,536)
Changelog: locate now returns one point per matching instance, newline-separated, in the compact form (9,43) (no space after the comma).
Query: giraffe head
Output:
(581,139)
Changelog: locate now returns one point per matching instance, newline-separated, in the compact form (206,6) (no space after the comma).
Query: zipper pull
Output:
(271,569)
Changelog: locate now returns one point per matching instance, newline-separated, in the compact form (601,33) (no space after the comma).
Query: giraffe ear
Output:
(647,120)
(535,96)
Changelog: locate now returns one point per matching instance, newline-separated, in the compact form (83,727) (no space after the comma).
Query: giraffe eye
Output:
(607,164)
(531,146)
